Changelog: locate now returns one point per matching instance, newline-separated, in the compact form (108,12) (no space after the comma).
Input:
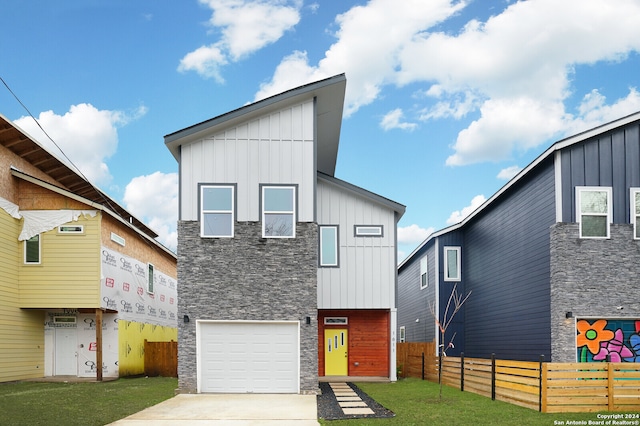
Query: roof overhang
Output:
(17,141)
(329,104)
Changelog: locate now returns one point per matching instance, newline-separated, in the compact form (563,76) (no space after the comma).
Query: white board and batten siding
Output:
(365,277)
(276,148)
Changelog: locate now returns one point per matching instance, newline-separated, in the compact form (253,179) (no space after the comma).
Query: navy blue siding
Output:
(455,331)
(611,159)
(413,302)
(506,266)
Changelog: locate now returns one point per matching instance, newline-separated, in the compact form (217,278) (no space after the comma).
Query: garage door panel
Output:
(260,357)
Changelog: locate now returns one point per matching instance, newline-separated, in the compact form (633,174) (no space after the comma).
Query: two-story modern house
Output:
(285,272)
(552,260)
(83,282)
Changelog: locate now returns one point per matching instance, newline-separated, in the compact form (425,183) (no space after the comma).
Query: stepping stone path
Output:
(348,400)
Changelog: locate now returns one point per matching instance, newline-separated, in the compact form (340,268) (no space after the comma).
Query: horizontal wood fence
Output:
(545,386)
(161,359)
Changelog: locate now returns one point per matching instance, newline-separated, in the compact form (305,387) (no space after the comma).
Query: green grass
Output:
(82,404)
(416,402)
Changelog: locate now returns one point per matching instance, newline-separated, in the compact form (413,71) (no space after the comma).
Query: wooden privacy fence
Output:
(161,359)
(414,359)
(545,386)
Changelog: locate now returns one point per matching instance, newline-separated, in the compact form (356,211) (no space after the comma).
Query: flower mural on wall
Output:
(604,340)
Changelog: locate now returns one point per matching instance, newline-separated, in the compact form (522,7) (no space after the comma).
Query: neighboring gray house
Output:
(286,273)
(552,259)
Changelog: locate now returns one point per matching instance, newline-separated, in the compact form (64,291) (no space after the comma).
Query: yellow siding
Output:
(69,273)
(131,337)
(21,332)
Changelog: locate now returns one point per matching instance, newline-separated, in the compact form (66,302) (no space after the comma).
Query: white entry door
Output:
(65,355)
(248,357)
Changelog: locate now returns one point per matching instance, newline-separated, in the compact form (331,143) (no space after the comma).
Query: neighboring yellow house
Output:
(82,282)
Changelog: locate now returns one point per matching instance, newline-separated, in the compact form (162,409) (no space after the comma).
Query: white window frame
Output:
(264,212)
(424,273)
(336,244)
(635,214)
(608,214)
(118,239)
(368,230)
(336,320)
(26,242)
(71,229)
(403,334)
(455,249)
(231,212)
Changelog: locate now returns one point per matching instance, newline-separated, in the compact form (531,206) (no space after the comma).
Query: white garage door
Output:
(248,357)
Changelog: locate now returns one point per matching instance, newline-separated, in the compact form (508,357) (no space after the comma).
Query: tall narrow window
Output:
(402,334)
(32,250)
(278,211)
(594,211)
(635,212)
(151,278)
(452,263)
(217,211)
(328,245)
(424,277)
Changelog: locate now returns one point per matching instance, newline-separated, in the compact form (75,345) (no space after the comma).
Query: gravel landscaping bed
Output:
(328,408)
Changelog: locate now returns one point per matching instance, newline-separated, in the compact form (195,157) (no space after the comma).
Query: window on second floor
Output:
(328,245)
(368,230)
(278,211)
(424,277)
(594,211)
(217,210)
(635,212)
(452,263)
(403,334)
(32,250)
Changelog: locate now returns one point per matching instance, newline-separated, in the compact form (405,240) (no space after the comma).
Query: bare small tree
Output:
(456,300)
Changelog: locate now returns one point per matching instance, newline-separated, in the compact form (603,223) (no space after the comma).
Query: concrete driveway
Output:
(228,409)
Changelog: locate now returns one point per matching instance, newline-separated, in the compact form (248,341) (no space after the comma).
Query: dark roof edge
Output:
(395,206)
(309,87)
(556,146)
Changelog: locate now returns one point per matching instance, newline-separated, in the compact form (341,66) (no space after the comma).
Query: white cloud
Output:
(514,70)
(392,120)
(459,215)
(86,135)
(413,234)
(245,27)
(154,198)
(509,172)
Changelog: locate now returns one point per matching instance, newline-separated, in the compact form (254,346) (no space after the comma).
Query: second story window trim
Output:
(368,231)
(33,250)
(328,253)
(452,264)
(278,210)
(424,273)
(217,209)
(635,212)
(594,211)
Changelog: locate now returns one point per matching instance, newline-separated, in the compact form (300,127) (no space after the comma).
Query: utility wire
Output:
(77,169)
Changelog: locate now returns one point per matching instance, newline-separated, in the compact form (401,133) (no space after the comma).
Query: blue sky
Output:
(446,100)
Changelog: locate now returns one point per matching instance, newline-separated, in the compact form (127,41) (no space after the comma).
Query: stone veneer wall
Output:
(591,278)
(247,278)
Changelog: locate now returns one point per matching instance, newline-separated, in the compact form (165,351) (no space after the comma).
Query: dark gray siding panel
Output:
(413,302)
(455,331)
(507,268)
(610,159)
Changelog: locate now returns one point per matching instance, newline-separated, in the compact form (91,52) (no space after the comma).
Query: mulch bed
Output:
(328,408)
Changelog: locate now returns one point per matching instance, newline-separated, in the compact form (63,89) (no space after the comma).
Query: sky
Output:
(445,101)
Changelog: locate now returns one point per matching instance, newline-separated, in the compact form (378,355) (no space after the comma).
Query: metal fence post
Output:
(422,365)
(540,384)
(493,377)
(462,371)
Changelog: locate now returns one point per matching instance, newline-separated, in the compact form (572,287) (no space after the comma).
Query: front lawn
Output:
(416,402)
(82,404)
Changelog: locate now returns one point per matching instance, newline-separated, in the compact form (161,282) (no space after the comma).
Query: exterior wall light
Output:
(568,315)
